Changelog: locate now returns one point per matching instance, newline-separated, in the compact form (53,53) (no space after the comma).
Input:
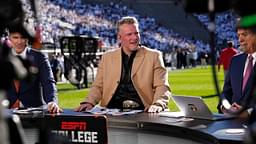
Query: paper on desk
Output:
(31,110)
(171,114)
(103,110)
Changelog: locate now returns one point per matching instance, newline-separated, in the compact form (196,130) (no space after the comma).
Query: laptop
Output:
(194,107)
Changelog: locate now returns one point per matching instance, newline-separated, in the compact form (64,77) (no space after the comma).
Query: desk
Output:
(201,131)
(151,128)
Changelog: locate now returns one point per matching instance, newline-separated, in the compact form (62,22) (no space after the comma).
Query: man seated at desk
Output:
(238,84)
(41,88)
(131,76)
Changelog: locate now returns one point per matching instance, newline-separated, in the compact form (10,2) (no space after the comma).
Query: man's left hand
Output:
(53,108)
(154,109)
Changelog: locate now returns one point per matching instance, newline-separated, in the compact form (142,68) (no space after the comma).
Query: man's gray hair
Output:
(126,20)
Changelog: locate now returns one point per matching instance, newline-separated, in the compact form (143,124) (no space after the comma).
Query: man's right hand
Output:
(235,109)
(232,110)
(84,106)
(53,108)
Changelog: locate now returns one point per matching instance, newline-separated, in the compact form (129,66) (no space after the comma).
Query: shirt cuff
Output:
(249,111)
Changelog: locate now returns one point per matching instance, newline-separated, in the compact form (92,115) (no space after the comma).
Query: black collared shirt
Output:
(125,90)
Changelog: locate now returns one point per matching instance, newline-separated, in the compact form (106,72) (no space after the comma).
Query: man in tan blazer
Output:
(131,73)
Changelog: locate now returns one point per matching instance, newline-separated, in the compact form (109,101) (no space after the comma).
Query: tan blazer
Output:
(149,76)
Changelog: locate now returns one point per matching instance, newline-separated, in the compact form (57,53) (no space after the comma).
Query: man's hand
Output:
(235,109)
(154,109)
(53,108)
(232,110)
(84,106)
(236,106)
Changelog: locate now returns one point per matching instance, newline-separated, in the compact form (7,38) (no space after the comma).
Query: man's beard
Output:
(243,48)
(136,48)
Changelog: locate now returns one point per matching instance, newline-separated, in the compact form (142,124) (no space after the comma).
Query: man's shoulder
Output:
(36,52)
(239,56)
(225,50)
(229,51)
(232,49)
(150,50)
(112,52)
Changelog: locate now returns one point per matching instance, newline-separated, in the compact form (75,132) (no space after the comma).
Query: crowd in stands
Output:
(72,17)
(68,17)
(225,27)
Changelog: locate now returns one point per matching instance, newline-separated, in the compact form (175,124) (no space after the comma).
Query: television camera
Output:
(81,55)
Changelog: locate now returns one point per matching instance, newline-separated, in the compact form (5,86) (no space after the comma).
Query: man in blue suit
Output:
(40,89)
(239,80)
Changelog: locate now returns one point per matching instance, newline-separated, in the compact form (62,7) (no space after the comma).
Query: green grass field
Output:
(193,82)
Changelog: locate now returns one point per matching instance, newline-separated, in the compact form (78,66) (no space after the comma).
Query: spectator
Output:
(225,57)
(204,57)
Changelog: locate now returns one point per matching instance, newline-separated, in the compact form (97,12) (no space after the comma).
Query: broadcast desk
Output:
(146,128)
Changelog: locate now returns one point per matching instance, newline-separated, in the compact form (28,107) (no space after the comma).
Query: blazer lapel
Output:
(117,64)
(241,72)
(137,61)
(24,84)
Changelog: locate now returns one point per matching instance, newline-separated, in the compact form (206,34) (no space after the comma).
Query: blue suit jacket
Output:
(232,89)
(40,88)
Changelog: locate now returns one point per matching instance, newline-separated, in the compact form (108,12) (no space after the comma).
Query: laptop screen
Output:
(193,106)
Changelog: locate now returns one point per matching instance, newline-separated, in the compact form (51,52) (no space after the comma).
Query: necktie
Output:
(17,88)
(248,71)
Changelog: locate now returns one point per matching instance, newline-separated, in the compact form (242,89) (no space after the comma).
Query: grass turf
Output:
(191,82)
